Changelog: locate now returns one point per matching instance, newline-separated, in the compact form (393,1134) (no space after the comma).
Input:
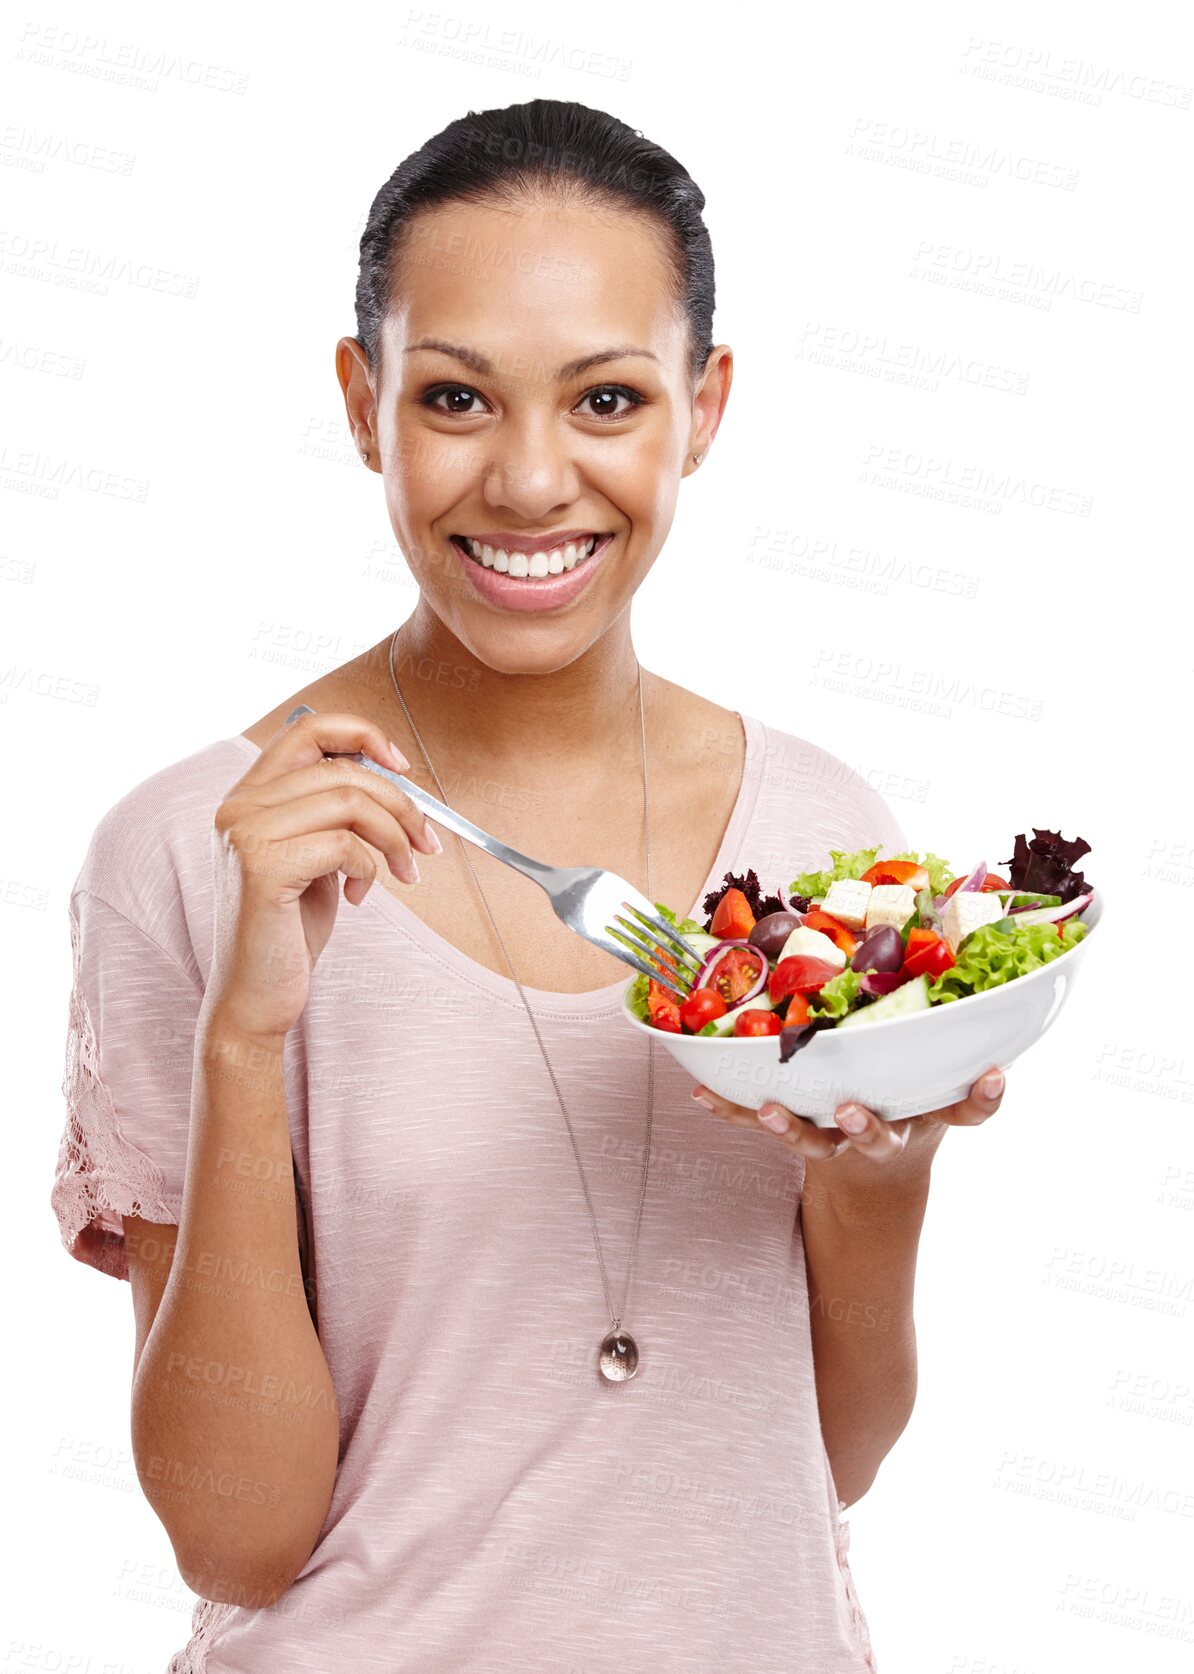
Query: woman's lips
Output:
(532,593)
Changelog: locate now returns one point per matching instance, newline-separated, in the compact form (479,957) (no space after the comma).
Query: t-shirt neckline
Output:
(589,1002)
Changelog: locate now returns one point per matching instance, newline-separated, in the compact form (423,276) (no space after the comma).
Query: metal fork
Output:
(585,898)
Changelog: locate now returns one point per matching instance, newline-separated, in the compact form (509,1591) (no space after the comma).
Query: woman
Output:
(391,1452)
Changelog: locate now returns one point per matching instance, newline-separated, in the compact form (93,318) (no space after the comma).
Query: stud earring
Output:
(697,457)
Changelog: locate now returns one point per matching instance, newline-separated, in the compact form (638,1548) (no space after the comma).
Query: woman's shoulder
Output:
(839,802)
(153,843)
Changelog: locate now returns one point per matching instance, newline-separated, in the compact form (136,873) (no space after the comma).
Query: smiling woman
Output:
(367,1406)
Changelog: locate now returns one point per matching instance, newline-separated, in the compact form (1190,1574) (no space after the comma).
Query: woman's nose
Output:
(530,470)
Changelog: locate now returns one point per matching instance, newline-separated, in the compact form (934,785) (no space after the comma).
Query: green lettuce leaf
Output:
(844,866)
(838,995)
(990,956)
(637,998)
(685,926)
(940,871)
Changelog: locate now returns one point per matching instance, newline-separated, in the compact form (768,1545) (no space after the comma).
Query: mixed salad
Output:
(867,939)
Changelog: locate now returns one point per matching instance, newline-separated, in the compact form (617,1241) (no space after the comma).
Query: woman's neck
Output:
(563,721)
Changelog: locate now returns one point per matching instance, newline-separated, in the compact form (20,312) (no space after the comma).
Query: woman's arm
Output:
(861,1212)
(860,1255)
(235,1428)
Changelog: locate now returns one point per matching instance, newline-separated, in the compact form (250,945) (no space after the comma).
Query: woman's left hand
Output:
(869,1137)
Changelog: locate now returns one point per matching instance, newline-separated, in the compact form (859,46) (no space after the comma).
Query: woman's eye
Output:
(454,391)
(607,394)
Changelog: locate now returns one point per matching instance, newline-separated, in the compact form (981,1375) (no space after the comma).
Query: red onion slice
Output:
(1053,915)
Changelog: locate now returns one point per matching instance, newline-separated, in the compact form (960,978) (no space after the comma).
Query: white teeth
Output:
(534,564)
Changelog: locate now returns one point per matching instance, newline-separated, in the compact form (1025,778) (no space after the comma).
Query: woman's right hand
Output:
(281,837)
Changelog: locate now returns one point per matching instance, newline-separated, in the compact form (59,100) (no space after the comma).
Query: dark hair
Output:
(512,154)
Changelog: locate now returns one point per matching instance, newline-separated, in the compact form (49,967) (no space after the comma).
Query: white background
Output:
(994,198)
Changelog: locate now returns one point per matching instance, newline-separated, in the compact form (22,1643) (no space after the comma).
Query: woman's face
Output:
(493,435)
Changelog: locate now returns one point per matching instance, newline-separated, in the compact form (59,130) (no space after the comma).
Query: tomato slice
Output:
(897,872)
(800,974)
(756,1021)
(798,1010)
(991,882)
(701,1006)
(734,920)
(837,932)
(667,1018)
(736,972)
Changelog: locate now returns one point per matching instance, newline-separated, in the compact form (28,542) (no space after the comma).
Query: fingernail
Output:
(993,1084)
(431,837)
(703,1098)
(774,1118)
(410,872)
(400,760)
(852,1118)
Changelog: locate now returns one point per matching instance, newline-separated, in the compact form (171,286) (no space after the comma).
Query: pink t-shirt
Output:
(497,1505)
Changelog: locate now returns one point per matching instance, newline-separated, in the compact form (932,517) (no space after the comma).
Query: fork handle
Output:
(441,813)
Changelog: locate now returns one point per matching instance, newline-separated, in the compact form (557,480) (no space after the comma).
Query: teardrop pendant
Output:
(618,1359)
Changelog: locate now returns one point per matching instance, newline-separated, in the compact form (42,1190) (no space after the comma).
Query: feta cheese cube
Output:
(965,911)
(814,944)
(847,901)
(890,904)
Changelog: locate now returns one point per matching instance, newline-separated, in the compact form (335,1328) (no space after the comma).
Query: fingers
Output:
(304,742)
(861,1129)
(305,807)
(798,1133)
(983,1100)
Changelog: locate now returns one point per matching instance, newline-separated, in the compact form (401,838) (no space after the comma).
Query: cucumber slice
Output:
(700,943)
(903,1001)
(1011,898)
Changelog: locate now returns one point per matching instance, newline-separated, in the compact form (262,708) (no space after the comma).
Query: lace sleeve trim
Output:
(857,1620)
(100,1175)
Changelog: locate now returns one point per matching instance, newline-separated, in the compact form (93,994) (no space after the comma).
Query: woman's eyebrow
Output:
(479,363)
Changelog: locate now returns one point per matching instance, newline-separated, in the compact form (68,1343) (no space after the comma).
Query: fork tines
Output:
(676,947)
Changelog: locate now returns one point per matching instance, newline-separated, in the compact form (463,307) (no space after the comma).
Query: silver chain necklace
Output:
(617,1358)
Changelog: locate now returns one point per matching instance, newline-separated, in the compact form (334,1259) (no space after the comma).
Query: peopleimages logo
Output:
(937,477)
(1074,78)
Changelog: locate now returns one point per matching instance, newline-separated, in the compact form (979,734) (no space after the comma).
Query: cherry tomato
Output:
(733,921)
(756,1021)
(897,872)
(701,1006)
(799,974)
(832,927)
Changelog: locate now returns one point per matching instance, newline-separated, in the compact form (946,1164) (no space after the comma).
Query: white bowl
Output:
(897,1067)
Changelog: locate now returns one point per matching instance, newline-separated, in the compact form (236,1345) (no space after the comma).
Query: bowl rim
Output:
(749,1041)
